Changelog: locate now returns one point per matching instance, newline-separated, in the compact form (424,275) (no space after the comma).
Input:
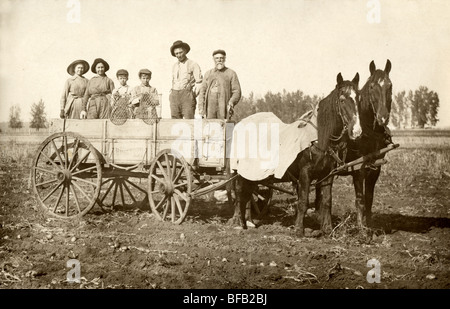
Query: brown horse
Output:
(337,122)
(374,105)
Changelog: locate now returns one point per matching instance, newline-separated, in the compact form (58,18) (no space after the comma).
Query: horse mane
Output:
(327,117)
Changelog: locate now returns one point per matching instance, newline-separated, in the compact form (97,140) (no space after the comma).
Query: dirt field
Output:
(129,248)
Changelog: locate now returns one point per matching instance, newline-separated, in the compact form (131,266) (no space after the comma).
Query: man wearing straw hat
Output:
(186,81)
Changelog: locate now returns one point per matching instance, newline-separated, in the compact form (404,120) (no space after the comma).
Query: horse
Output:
(336,121)
(374,106)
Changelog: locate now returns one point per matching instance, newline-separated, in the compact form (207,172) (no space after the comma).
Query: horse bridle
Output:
(344,119)
(387,132)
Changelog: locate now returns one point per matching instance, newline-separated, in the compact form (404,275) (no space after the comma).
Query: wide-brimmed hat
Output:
(181,44)
(122,72)
(219,51)
(97,61)
(145,71)
(71,67)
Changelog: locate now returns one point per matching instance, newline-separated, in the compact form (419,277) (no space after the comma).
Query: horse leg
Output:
(370,181)
(325,193)
(318,200)
(358,184)
(302,203)
(243,189)
(237,186)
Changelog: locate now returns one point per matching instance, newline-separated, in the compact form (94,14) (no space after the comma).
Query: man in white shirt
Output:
(186,82)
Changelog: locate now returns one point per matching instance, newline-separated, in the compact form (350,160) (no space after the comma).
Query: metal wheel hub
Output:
(166,188)
(64,176)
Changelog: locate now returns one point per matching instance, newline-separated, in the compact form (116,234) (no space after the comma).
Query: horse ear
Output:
(339,78)
(372,67)
(387,69)
(356,79)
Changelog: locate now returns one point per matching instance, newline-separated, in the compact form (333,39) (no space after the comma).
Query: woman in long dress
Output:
(74,89)
(98,92)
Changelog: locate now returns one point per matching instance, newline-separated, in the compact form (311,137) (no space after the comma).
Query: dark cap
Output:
(145,71)
(122,72)
(219,51)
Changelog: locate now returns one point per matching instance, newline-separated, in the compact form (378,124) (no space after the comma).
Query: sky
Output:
(271,44)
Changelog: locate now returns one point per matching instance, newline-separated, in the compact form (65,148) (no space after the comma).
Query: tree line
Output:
(409,110)
(38,116)
(415,109)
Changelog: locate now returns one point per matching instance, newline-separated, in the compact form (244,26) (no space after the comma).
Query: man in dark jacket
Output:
(220,90)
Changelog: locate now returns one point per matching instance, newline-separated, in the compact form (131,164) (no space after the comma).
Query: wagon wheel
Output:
(66,175)
(123,190)
(260,202)
(169,188)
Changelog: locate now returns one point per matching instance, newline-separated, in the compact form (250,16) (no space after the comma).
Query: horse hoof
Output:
(316,233)
(299,233)
(250,224)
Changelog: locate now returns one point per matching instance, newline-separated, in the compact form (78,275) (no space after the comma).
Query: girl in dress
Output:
(74,89)
(98,92)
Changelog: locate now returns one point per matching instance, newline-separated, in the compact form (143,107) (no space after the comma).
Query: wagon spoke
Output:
(58,200)
(114,194)
(81,190)
(121,194)
(85,170)
(46,182)
(85,181)
(107,191)
(79,162)
(162,170)
(178,175)
(161,202)
(181,195)
(136,186)
(57,152)
(67,200)
(166,209)
(51,192)
(129,192)
(66,154)
(172,204)
(177,201)
(75,153)
(169,173)
(51,161)
(180,184)
(174,167)
(76,198)
(106,181)
(157,178)
(45,170)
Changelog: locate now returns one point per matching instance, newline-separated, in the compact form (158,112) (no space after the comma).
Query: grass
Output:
(12,152)
(432,162)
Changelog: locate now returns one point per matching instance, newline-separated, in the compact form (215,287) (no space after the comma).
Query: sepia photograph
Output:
(224,149)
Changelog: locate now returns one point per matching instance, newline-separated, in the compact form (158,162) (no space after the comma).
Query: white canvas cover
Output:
(263,145)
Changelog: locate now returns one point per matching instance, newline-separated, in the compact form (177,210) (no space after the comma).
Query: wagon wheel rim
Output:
(260,208)
(170,187)
(66,175)
(123,190)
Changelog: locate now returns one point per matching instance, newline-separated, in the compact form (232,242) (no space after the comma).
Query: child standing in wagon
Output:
(144,98)
(121,95)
